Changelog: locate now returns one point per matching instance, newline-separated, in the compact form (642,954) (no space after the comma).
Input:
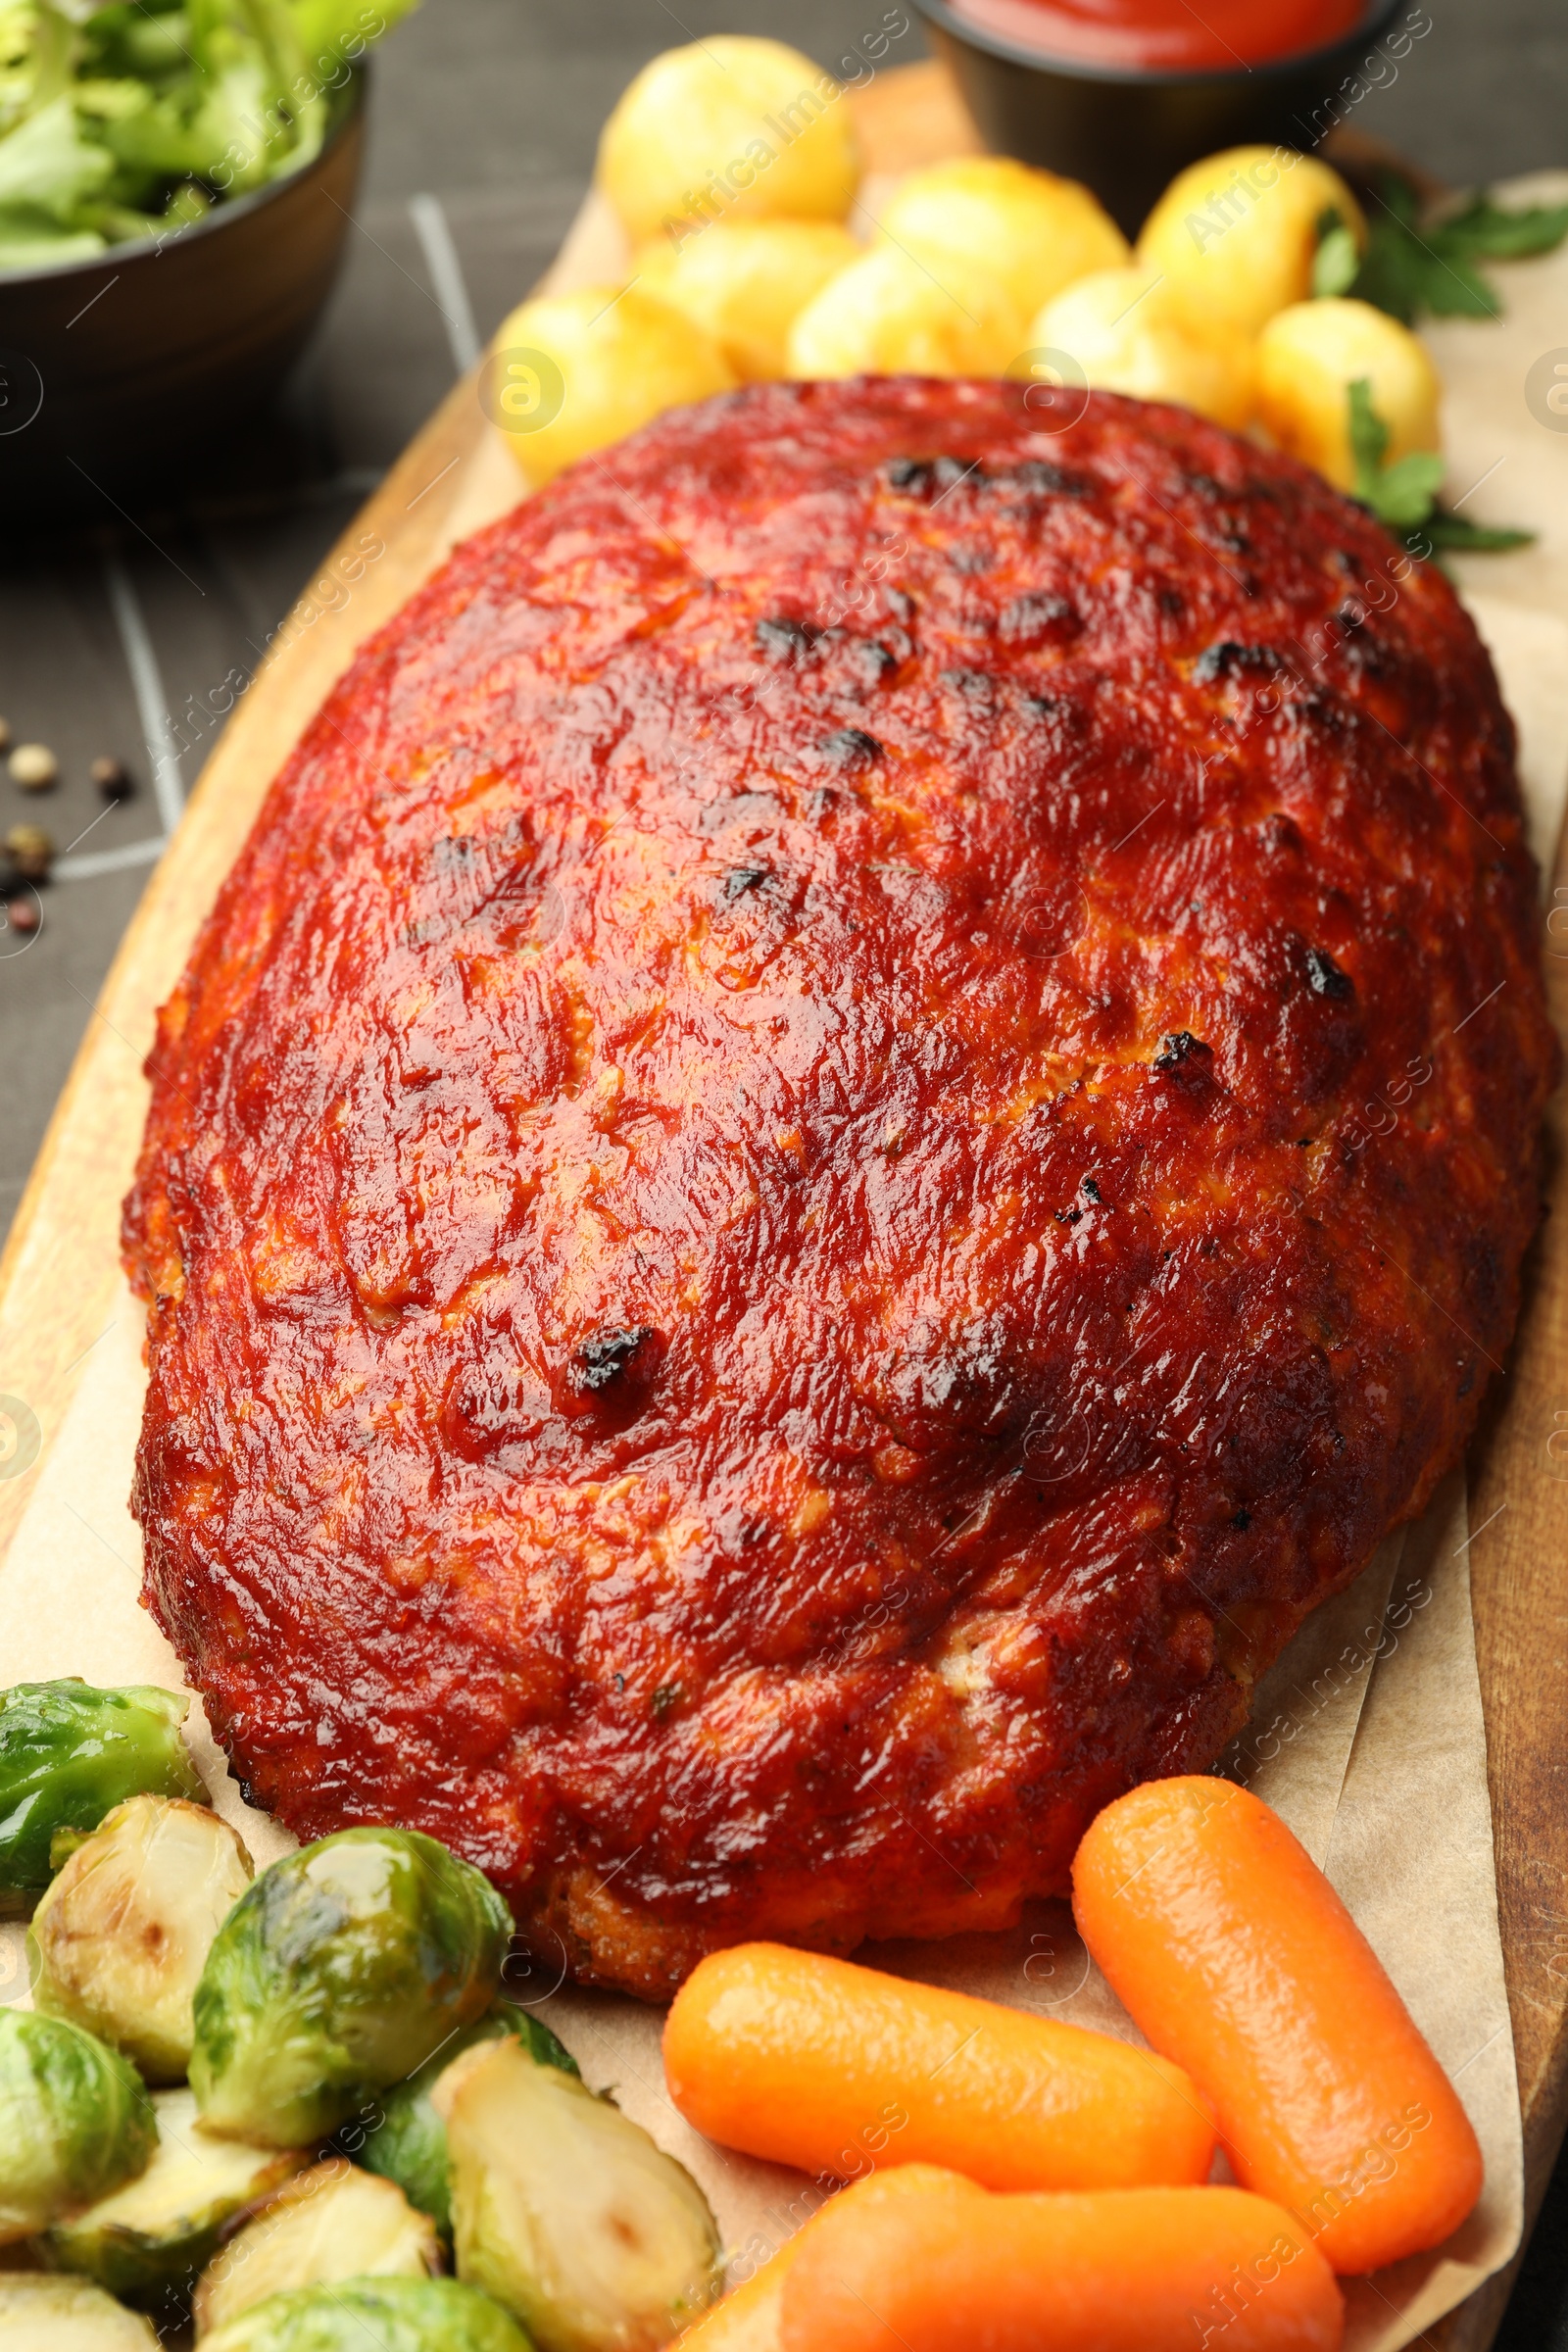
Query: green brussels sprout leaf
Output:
(568,2212)
(69,1755)
(65,2315)
(373,2315)
(331,2223)
(63,1844)
(404,2139)
(75,2120)
(121,1937)
(339,1972)
(149,2240)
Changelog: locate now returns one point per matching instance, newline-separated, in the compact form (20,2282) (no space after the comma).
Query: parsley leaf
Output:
(1459,534)
(1483,227)
(1404,494)
(1338,257)
(1410,267)
(1369,440)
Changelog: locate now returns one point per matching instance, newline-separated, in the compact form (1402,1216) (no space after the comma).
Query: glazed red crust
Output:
(865,1106)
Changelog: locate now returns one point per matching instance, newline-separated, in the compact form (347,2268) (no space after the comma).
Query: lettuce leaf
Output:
(123,120)
(46,164)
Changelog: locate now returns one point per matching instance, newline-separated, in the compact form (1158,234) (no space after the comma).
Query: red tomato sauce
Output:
(1170,35)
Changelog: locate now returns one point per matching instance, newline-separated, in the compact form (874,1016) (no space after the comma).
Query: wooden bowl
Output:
(116,373)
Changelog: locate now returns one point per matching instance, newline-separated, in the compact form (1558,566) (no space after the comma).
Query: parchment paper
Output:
(1367,1735)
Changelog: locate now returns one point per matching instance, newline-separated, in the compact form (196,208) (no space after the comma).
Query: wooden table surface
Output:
(59,1274)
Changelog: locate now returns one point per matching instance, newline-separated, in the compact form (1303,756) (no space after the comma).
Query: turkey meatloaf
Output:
(865,1106)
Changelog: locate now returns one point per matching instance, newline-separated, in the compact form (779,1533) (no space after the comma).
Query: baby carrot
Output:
(1237,1959)
(748,2318)
(1120,2269)
(837,2069)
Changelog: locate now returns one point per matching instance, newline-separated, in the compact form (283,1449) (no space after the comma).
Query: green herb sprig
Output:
(1338,259)
(1405,495)
(1411,267)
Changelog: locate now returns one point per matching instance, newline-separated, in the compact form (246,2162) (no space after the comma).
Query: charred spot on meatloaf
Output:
(865,1106)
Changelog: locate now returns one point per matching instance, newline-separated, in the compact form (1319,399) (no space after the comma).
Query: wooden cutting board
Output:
(59,1277)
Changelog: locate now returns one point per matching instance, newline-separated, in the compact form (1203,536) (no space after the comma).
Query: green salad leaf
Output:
(132,121)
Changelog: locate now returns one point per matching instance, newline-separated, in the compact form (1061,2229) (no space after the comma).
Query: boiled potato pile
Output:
(888,314)
(744,283)
(1235,236)
(1128,331)
(731,127)
(362,2110)
(732,166)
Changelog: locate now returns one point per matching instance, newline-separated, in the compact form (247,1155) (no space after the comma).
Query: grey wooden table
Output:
(483,122)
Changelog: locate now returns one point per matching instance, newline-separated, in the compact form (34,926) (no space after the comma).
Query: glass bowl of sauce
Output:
(1122,94)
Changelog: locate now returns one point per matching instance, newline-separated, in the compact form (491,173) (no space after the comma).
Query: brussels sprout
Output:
(566,2211)
(329,2224)
(69,1755)
(121,1937)
(74,2121)
(406,2141)
(154,2235)
(67,2315)
(373,2315)
(338,1971)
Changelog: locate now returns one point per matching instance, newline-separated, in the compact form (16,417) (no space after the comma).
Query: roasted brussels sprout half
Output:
(69,1755)
(339,1970)
(328,2224)
(121,1937)
(154,2235)
(76,2119)
(405,2139)
(566,2211)
(373,2315)
(67,2315)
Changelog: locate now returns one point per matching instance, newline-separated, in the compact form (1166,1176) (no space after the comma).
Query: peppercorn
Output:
(34,767)
(30,850)
(112,778)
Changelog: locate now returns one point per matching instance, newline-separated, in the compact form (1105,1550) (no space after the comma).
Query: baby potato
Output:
(1235,236)
(731,124)
(744,283)
(572,372)
(888,314)
(1307,359)
(1129,334)
(1030,229)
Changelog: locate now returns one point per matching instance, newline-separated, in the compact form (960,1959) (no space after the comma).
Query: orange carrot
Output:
(1121,2270)
(1237,1959)
(748,2318)
(838,2068)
